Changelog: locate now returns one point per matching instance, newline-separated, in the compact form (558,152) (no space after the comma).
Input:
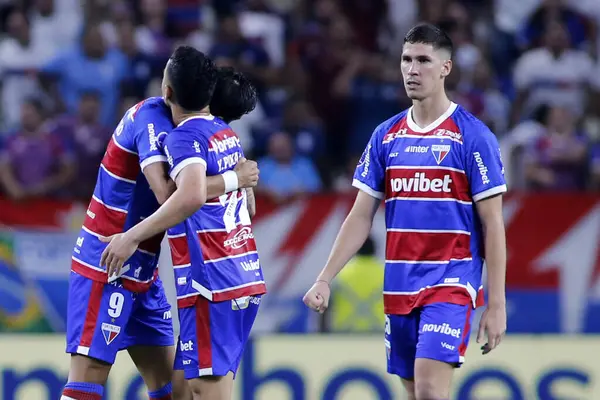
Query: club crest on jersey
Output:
(110,332)
(440,151)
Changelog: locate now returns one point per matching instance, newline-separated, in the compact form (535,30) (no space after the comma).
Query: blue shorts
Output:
(104,318)
(213,335)
(437,331)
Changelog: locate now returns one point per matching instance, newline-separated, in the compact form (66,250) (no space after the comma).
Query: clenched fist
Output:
(247,173)
(317,298)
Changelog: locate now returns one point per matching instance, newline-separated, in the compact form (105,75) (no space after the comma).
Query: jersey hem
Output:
(490,192)
(367,189)
(152,160)
(188,161)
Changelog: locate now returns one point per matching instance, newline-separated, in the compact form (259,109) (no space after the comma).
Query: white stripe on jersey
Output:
(425,167)
(209,294)
(230,257)
(429,231)
(109,207)
(87,265)
(468,203)
(99,236)
(181,266)
(427,262)
(469,288)
(121,147)
(116,176)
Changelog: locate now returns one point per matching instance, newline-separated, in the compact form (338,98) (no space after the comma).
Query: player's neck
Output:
(428,110)
(180,115)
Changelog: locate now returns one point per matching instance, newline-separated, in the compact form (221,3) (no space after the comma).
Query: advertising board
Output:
(311,367)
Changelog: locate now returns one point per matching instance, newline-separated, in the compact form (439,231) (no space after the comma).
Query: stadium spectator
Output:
(285,176)
(374,93)
(554,74)
(558,159)
(90,66)
(153,35)
(35,162)
(56,23)
(21,56)
(87,137)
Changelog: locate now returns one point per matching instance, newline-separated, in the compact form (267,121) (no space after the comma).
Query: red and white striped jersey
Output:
(214,252)
(122,197)
(431,179)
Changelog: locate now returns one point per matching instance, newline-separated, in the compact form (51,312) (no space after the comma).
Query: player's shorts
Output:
(437,331)
(103,318)
(213,335)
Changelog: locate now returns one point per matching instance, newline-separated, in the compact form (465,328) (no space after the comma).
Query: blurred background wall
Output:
(327,72)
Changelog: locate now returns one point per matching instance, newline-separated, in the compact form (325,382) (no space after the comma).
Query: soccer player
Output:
(218,277)
(439,170)
(131,312)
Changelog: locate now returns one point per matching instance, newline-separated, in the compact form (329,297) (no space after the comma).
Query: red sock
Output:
(69,394)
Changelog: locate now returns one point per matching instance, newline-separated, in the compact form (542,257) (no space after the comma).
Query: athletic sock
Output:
(163,393)
(82,391)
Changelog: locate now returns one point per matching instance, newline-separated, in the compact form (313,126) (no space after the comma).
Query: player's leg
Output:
(444,332)
(149,341)
(213,337)
(96,314)
(181,388)
(401,333)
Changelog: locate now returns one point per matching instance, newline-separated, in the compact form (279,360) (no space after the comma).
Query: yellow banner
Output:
(330,368)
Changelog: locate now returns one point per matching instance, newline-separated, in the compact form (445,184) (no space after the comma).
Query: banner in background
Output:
(311,367)
(553,281)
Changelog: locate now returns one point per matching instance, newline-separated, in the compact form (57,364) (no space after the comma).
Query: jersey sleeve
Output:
(151,127)
(182,148)
(484,167)
(369,175)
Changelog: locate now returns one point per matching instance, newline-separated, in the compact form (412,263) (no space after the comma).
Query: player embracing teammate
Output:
(439,171)
(123,306)
(218,276)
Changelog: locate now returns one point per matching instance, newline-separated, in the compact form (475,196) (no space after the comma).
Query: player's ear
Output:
(167,94)
(446,68)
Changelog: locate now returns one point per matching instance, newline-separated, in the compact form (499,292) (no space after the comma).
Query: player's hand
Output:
(120,248)
(492,324)
(317,298)
(247,173)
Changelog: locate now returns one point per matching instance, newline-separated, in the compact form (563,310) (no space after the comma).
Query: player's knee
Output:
(86,369)
(429,390)
(210,388)
(409,387)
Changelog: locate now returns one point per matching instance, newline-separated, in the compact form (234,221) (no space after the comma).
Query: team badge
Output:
(440,151)
(110,332)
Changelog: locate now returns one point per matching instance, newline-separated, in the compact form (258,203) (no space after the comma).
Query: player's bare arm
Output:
(251,202)
(350,238)
(157,175)
(493,321)
(245,175)
(189,196)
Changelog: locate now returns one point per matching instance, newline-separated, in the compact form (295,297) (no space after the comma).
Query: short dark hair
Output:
(234,95)
(430,34)
(192,77)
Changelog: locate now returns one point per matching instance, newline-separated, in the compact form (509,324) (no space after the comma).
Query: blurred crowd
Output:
(327,72)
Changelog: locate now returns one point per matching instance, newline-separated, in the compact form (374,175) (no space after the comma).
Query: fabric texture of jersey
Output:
(431,179)
(122,197)
(438,331)
(104,318)
(214,252)
(213,335)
